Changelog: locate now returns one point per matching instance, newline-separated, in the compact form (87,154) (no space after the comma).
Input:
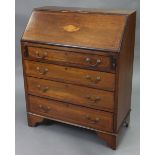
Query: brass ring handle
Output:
(41,56)
(98,78)
(94,99)
(44,108)
(91,62)
(91,120)
(42,89)
(42,71)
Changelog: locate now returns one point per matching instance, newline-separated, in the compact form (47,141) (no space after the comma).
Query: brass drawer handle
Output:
(44,108)
(93,99)
(42,89)
(38,55)
(42,71)
(91,120)
(90,61)
(96,80)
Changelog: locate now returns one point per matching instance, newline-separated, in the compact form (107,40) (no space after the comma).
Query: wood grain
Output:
(71,113)
(34,120)
(94,79)
(111,140)
(72,58)
(38,44)
(72,94)
(60,48)
(84,10)
(124,74)
(105,32)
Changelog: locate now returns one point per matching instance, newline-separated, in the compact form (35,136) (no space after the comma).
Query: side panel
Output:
(23,48)
(125,69)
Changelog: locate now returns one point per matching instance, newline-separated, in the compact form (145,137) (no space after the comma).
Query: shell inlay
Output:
(71,28)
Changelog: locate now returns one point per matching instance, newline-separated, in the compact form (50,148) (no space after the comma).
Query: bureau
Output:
(77,67)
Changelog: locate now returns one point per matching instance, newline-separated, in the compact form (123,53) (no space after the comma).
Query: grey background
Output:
(58,138)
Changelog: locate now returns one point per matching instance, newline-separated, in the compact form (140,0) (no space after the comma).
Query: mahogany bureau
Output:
(77,66)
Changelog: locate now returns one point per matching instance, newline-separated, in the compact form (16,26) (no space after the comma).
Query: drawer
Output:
(84,96)
(94,79)
(70,113)
(83,60)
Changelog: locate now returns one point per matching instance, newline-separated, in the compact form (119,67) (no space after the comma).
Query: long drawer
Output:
(83,60)
(70,113)
(98,99)
(94,79)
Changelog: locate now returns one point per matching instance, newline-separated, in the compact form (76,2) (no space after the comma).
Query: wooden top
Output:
(75,27)
(88,10)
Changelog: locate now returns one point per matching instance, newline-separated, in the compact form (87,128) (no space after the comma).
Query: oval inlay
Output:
(71,28)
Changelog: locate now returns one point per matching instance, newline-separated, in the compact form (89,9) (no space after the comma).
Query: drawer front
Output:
(89,61)
(94,79)
(88,97)
(70,113)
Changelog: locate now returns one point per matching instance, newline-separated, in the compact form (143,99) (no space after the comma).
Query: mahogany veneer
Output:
(77,67)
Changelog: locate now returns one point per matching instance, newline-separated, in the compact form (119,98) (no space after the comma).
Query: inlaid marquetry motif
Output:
(71,28)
